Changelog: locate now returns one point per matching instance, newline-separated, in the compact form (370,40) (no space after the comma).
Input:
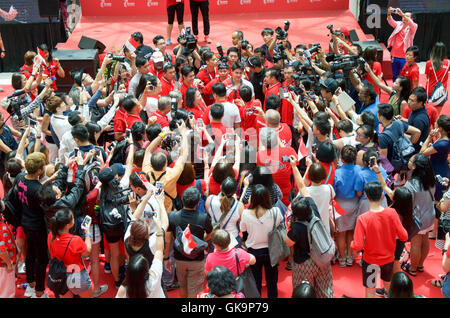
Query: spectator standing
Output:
(203,6)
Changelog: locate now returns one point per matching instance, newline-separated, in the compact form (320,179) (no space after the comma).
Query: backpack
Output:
(177,204)
(57,275)
(12,212)
(322,247)
(438,95)
(402,151)
(201,203)
(186,243)
(119,153)
(113,217)
(91,175)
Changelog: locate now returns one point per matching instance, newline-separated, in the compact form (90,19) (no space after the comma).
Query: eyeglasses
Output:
(361,136)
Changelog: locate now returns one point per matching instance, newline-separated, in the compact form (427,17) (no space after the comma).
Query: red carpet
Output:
(306,27)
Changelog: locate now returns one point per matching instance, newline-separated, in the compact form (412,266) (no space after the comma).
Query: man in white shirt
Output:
(143,67)
(67,144)
(231,117)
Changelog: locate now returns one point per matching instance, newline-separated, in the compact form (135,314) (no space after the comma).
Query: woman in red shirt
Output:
(437,67)
(370,55)
(194,102)
(71,249)
(187,179)
(53,66)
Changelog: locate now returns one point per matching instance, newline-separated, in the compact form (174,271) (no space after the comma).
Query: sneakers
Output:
(207,40)
(342,262)
(100,291)
(107,268)
(44,295)
(21,269)
(381,292)
(168,41)
(29,292)
(349,261)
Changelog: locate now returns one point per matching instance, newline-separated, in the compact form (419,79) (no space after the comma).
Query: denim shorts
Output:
(446,286)
(79,282)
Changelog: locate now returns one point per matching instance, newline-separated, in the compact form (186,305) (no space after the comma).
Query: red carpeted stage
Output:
(306,27)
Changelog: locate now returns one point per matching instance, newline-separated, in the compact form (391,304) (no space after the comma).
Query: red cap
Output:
(344,30)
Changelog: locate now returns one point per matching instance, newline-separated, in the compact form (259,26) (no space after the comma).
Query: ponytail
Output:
(61,218)
(225,203)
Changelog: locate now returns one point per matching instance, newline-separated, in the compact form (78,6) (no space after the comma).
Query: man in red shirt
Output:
(222,75)
(271,84)
(236,80)
(164,106)
(287,111)
(168,79)
(252,115)
(215,128)
(272,155)
(208,73)
(156,66)
(124,120)
(272,119)
(232,57)
(259,52)
(187,80)
(411,69)
(376,234)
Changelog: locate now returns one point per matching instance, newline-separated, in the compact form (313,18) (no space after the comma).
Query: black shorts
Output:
(179,9)
(113,238)
(370,273)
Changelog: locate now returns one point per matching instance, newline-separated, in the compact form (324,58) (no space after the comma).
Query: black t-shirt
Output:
(33,218)
(257,80)
(199,223)
(299,234)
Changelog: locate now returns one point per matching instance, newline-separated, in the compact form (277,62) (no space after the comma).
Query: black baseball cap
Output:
(106,175)
(329,84)
(254,61)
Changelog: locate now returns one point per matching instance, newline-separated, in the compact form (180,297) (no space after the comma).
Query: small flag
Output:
(337,207)
(40,57)
(144,181)
(131,44)
(302,151)
(188,241)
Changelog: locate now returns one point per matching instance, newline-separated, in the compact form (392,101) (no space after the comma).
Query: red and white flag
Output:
(302,151)
(40,57)
(144,181)
(188,241)
(131,44)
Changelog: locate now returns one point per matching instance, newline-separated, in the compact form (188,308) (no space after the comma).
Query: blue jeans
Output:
(446,286)
(397,65)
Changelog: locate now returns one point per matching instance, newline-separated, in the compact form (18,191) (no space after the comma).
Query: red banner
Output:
(102,8)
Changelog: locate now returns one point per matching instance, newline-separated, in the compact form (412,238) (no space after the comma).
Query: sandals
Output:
(436,283)
(406,267)
(420,269)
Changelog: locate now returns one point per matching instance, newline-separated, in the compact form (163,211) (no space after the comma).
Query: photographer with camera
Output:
(269,43)
(147,92)
(401,38)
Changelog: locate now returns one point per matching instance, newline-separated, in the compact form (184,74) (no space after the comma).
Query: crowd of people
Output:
(178,166)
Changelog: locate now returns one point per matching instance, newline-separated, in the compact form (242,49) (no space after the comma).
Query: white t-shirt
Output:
(230,114)
(134,82)
(152,285)
(322,196)
(151,105)
(258,229)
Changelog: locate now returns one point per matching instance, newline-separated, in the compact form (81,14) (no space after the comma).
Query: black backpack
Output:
(12,212)
(402,151)
(119,153)
(57,275)
(113,218)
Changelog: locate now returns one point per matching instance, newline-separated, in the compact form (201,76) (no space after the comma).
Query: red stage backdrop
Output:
(158,7)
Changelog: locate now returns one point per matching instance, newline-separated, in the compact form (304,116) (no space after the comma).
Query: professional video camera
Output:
(14,103)
(244,44)
(281,52)
(347,63)
(282,33)
(337,32)
(187,39)
(120,59)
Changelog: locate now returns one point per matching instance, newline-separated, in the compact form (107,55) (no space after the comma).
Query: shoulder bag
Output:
(245,281)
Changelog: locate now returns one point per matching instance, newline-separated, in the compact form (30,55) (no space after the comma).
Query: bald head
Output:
(158,161)
(272,118)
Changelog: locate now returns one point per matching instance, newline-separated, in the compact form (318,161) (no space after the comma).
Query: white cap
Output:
(157,56)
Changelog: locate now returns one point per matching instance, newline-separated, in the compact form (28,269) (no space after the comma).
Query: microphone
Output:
(16,93)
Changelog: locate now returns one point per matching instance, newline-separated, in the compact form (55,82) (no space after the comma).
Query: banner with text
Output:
(101,8)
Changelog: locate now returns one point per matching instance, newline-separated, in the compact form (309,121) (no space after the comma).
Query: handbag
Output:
(278,249)
(245,281)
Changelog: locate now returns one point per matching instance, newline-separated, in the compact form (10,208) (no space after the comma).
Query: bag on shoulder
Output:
(402,151)
(12,212)
(201,203)
(57,275)
(187,244)
(245,281)
(438,95)
(112,218)
(322,247)
(278,249)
